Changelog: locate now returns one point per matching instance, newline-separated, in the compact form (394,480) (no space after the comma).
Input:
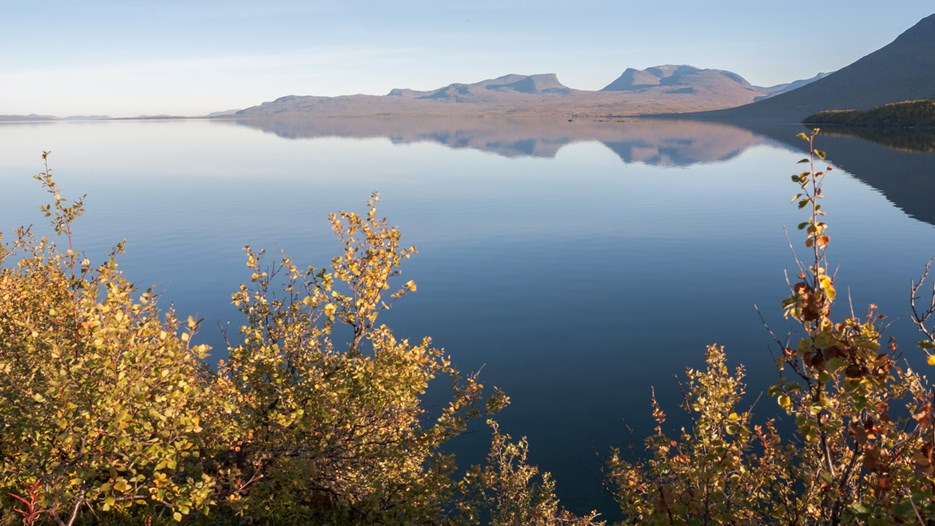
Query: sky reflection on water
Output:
(579,267)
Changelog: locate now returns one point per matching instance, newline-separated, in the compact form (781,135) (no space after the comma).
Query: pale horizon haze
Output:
(129,57)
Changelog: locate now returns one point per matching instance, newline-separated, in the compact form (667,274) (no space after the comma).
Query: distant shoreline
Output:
(913,114)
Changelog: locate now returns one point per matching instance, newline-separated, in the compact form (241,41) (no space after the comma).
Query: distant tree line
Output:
(907,114)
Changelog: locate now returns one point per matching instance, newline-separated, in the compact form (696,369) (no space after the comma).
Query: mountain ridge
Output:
(789,86)
(659,89)
(672,75)
(902,70)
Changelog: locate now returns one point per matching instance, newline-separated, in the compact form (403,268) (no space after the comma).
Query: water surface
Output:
(577,263)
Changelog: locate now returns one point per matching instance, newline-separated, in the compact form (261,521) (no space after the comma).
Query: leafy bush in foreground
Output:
(862,452)
(108,413)
(103,398)
(329,428)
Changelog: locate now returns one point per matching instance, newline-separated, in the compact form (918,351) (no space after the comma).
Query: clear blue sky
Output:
(191,57)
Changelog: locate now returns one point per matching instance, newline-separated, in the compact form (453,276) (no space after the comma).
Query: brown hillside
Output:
(902,70)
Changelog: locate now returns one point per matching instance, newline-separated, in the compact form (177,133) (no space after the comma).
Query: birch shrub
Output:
(109,413)
(335,427)
(862,450)
(104,401)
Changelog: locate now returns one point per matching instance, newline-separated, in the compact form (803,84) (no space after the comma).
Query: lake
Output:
(578,264)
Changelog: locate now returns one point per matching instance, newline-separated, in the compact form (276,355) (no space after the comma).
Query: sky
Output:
(191,57)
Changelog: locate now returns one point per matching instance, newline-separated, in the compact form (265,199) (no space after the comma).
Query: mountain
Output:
(26,118)
(902,70)
(689,79)
(680,79)
(223,113)
(659,89)
(778,89)
(487,89)
(509,93)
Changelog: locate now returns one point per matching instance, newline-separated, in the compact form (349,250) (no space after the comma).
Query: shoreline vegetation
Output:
(919,114)
(110,415)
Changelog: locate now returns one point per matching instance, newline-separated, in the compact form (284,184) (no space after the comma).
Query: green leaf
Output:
(834,364)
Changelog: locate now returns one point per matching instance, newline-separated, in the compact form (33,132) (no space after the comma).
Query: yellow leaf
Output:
(931,359)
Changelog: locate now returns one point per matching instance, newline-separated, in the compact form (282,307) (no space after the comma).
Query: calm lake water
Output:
(579,264)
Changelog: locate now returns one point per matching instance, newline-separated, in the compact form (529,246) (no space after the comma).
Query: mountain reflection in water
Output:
(898,163)
(907,140)
(653,142)
(577,263)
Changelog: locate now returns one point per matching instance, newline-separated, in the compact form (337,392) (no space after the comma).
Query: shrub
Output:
(862,451)
(332,429)
(509,492)
(109,413)
(103,398)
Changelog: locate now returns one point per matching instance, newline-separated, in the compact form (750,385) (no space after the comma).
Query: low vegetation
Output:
(906,114)
(862,448)
(110,415)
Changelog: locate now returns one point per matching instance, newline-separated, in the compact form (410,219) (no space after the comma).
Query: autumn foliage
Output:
(317,415)
(862,447)
(104,396)
(109,412)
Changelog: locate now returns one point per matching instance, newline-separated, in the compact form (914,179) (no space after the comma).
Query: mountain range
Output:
(900,71)
(659,89)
